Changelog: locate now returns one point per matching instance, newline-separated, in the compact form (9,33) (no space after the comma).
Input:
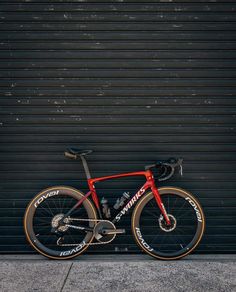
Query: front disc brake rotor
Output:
(163,225)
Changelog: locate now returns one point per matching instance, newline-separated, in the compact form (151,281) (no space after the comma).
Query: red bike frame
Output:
(150,183)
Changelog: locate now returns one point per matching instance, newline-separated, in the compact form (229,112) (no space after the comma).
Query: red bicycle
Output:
(167,222)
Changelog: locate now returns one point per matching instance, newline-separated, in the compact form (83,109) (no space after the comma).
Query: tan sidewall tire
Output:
(29,211)
(162,191)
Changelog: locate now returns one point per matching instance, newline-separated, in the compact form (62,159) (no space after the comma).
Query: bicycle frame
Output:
(149,184)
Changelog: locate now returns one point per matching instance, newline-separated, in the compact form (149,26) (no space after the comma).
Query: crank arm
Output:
(117,231)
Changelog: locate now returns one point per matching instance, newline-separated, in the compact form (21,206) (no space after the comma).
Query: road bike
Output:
(167,222)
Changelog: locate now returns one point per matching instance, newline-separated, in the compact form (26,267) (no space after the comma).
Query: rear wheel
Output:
(158,239)
(45,230)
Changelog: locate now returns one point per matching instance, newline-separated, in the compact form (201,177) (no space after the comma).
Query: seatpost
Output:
(85,165)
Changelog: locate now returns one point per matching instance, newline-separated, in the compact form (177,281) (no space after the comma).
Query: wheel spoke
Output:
(42,228)
(173,239)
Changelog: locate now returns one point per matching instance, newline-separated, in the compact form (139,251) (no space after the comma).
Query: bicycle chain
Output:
(91,243)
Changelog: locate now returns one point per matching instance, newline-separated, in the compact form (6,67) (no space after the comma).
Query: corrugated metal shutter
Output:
(135,81)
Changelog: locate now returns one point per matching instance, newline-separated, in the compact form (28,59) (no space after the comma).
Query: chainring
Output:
(100,227)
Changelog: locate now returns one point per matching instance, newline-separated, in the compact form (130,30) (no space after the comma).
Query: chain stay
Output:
(91,243)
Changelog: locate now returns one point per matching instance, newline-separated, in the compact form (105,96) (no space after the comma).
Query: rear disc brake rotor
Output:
(57,224)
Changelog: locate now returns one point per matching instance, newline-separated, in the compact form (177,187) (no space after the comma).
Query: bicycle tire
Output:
(31,228)
(153,244)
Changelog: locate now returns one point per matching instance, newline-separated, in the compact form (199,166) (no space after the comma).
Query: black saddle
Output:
(74,152)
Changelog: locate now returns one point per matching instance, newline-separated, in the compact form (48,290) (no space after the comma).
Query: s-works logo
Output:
(130,204)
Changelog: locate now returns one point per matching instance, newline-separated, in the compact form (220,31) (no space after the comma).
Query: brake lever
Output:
(180,161)
(163,177)
(181,169)
(172,163)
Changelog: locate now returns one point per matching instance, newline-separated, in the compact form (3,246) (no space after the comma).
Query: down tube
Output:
(131,202)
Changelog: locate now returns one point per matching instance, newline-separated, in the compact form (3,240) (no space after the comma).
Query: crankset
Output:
(104,231)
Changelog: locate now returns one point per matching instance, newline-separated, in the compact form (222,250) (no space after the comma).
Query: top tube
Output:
(147,174)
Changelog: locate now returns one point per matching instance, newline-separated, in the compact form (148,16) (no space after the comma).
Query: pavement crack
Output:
(66,277)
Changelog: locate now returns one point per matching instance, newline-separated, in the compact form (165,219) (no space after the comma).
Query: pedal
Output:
(112,231)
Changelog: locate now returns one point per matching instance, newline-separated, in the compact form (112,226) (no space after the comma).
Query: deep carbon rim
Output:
(31,232)
(147,231)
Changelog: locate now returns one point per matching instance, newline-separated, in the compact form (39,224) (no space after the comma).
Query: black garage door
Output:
(133,80)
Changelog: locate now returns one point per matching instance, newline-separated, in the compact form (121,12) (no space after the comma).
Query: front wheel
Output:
(176,240)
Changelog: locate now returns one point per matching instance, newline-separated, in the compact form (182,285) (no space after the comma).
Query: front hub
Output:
(164,226)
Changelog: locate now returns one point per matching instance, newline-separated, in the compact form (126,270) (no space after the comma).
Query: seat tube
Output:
(85,165)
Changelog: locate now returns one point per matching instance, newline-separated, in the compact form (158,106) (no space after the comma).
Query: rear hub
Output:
(57,223)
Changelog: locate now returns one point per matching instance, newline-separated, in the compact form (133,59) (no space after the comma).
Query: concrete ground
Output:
(117,273)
